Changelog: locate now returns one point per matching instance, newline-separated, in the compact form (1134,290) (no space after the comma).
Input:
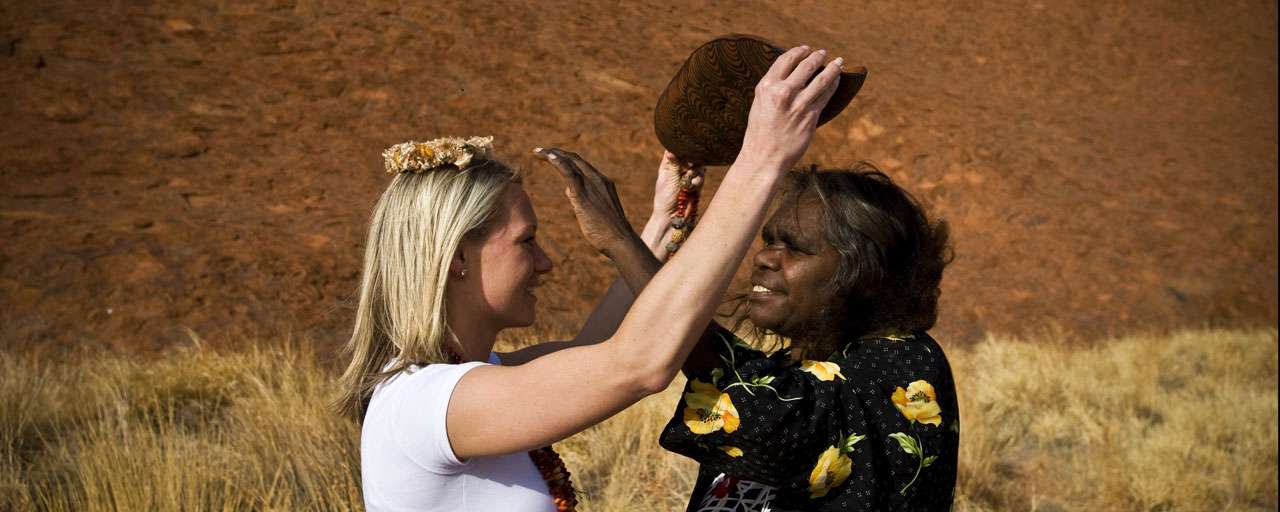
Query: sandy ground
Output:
(211,166)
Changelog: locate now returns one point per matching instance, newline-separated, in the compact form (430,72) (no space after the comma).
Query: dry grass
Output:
(1182,422)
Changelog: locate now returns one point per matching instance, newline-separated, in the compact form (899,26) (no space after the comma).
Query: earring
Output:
(462,273)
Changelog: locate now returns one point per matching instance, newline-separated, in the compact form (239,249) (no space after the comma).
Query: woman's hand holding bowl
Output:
(786,107)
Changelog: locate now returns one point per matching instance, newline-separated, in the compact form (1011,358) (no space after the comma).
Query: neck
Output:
(815,345)
(474,340)
(823,337)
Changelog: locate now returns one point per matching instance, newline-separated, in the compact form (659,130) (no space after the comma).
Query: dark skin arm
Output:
(617,240)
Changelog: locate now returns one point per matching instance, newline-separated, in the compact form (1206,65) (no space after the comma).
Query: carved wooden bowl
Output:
(701,117)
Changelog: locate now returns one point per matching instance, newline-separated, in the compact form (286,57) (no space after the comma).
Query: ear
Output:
(458,264)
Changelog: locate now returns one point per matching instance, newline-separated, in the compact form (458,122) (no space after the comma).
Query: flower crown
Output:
(416,156)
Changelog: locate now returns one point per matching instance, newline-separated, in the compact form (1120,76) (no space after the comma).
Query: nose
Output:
(541,263)
(766,259)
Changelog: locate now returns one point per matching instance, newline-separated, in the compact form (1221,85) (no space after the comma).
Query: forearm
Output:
(636,267)
(676,305)
(633,275)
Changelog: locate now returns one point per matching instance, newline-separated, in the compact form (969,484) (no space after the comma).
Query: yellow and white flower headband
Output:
(416,156)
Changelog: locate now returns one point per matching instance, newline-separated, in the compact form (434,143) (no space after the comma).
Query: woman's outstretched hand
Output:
(785,111)
(594,200)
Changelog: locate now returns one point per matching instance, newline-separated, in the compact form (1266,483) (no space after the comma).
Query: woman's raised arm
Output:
(497,410)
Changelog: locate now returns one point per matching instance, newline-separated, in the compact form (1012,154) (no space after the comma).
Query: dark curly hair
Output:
(891,253)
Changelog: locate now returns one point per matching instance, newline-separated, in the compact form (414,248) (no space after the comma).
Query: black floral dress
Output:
(873,427)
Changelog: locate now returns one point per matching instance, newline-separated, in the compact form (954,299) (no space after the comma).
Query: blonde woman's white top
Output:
(407,463)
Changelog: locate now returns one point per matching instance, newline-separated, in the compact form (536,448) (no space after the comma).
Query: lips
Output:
(759,289)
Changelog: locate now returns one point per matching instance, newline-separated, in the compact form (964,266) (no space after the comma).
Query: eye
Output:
(792,246)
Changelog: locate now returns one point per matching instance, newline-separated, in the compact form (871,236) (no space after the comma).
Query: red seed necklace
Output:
(550,466)
(685,213)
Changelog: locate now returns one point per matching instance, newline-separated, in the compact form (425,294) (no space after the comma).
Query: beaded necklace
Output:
(550,466)
(685,213)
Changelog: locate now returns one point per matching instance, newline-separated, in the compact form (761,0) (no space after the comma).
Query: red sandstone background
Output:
(1106,167)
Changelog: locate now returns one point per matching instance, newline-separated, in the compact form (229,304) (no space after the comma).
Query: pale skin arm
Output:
(507,409)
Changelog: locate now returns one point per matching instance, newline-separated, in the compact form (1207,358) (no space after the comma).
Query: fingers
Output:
(806,68)
(589,173)
(572,175)
(819,91)
(698,173)
(785,63)
(583,178)
(598,186)
(672,164)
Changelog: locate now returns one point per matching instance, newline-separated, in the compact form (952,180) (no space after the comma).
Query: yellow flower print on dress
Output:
(918,403)
(833,468)
(708,410)
(823,370)
(733,451)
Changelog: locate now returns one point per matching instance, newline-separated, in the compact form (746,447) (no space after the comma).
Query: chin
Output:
(520,319)
(521,313)
(762,320)
(526,318)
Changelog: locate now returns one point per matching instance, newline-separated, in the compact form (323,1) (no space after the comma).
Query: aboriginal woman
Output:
(858,411)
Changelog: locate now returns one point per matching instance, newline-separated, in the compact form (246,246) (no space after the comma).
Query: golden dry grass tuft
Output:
(1179,422)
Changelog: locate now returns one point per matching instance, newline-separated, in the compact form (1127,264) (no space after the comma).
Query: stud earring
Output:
(462,273)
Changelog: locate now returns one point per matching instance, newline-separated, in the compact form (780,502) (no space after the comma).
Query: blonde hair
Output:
(416,228)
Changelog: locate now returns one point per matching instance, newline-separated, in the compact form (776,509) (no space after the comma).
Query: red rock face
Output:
(211,167)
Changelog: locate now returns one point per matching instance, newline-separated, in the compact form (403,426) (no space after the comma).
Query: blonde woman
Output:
(452,258)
